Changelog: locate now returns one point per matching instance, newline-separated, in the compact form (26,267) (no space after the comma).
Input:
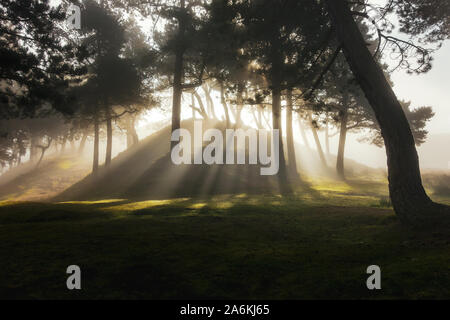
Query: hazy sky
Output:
(430,89)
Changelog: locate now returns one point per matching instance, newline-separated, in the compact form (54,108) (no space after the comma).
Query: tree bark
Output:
(409,199)
(224,104)
(292,161)
(317,141)
(96,144)
(178,77)
(342,138)
(240,104)
(276,124)
(276,76)
(109,135)
(327,136)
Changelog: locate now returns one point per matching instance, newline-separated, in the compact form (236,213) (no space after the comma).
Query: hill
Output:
(54,175)
(146,171)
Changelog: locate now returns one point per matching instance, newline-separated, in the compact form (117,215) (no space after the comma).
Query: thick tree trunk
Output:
(178,78)
(109,136)
(177,92)
(342,138)
(292,161)
(96,144)
(409,199)
(276,78)
(276,124)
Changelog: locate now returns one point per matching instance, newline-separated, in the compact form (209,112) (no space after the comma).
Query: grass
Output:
(226,247)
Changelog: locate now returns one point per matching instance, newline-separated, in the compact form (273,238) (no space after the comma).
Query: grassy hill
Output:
(54,175)
(146,172)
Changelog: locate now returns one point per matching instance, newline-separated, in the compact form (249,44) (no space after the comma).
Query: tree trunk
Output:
(132,137)
(63,145)
(178,78)
(72,145)
(260,111)
(240,104)
(327,136)
(292,161)
(209,102)
(276,76)
(303,133)
(257,119)
(276,124)
(224,104)
(43,150)
(342,138)
(41,157)
(201,106)
(96,144)
(193,107)
(409,199)
(266,119)
(109,136)
(317,141)
(133,131)
(33,148)
(82,142)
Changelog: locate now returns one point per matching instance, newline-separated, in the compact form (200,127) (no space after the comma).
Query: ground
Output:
(316,244)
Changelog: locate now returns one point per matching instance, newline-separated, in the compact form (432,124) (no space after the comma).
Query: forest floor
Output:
(314,245)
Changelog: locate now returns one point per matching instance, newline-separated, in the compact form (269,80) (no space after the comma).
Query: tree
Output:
(409,199)
(178,46)
(281,37)
(34,61)
(116,66)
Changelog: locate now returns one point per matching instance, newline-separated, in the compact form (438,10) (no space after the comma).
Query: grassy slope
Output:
(315,245)
(309,246)
(54,175)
